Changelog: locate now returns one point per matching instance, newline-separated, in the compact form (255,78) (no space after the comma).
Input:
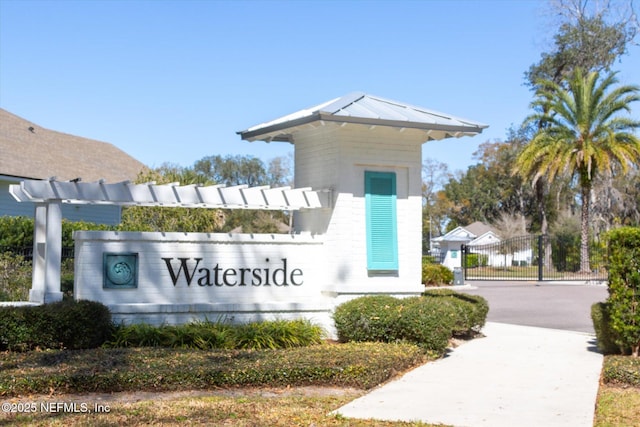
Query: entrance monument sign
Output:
(357,225)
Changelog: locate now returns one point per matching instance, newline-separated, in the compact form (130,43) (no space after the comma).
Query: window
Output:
(380,207)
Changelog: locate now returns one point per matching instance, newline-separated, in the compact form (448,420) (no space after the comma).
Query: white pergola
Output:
(48,196)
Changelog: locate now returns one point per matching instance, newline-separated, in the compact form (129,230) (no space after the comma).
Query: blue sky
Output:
(173,81)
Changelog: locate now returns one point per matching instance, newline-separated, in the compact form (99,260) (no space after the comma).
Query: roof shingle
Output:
(30,151)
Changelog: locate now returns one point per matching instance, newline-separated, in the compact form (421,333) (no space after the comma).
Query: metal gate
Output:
(535,257)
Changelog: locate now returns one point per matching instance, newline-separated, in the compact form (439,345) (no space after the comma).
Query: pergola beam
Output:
(167,195)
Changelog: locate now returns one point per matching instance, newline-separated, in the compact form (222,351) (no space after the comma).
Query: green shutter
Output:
(382,235)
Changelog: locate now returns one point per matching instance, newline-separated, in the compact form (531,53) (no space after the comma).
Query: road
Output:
(541,304)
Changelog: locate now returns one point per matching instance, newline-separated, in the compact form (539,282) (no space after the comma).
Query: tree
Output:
(251,171)
(279,171)
(473,196)
(434,175)
(510,226)
(232,170)
(616,200)
(157,218)
(582,135)
(488,189)
(589,37)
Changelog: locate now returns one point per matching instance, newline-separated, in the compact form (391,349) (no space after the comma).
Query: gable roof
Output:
(469,233)
(458,234)
(31,151)
(360,108)
(485,239)
(479,228)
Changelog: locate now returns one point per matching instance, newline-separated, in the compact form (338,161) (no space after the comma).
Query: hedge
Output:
(436,274)
(606,337)
(624,286)
(471,310)
(369,318)
(64,325)
(429,320)
(15,277)
(17,231)
(476,260)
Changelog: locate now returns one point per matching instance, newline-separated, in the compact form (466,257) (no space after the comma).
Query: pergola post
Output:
(53,252)
(47,256)
(39,246)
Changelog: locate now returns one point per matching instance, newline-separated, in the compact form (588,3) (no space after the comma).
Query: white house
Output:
(483,240)
(356,228)
(449,245)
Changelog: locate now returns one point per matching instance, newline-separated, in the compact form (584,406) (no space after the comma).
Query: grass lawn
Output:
(529,273)
(618,407)
(265,407)
(155,386)
(52,387)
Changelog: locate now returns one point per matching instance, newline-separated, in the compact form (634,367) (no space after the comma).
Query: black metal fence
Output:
(540,257)
(27,251)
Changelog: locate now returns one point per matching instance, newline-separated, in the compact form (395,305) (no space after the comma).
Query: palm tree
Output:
(581,134)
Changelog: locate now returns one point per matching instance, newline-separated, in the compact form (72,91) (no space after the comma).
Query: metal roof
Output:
(360,108)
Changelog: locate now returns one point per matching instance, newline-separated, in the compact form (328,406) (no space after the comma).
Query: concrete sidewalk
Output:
(514,376)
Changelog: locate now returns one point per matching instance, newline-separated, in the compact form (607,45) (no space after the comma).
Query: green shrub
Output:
(68,227)
(624,286)
(219,335)
(17,231)
(476,260)
(471,310)
(622,370)
(606,337)
(565,246)
(276,334)
(428,321)
(15,277)
(65,324)
(139,335)
(105,370)
(436,274)
(80,324)
(387,319)
(368,318)
(200,335)
(428,259)
(16,329)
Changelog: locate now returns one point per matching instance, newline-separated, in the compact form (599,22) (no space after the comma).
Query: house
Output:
(448,246)
(29,151)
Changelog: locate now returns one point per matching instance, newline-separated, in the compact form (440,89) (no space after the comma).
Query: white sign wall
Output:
(177,277)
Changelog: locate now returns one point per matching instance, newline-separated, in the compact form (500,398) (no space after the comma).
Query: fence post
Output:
(463,259)
(540,256)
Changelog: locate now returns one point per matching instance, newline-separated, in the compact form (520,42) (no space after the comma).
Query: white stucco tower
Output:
(366,152)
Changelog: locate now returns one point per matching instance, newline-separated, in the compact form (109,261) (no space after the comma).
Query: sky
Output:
(174,81)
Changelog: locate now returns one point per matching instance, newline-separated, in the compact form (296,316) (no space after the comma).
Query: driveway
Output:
(543,304)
